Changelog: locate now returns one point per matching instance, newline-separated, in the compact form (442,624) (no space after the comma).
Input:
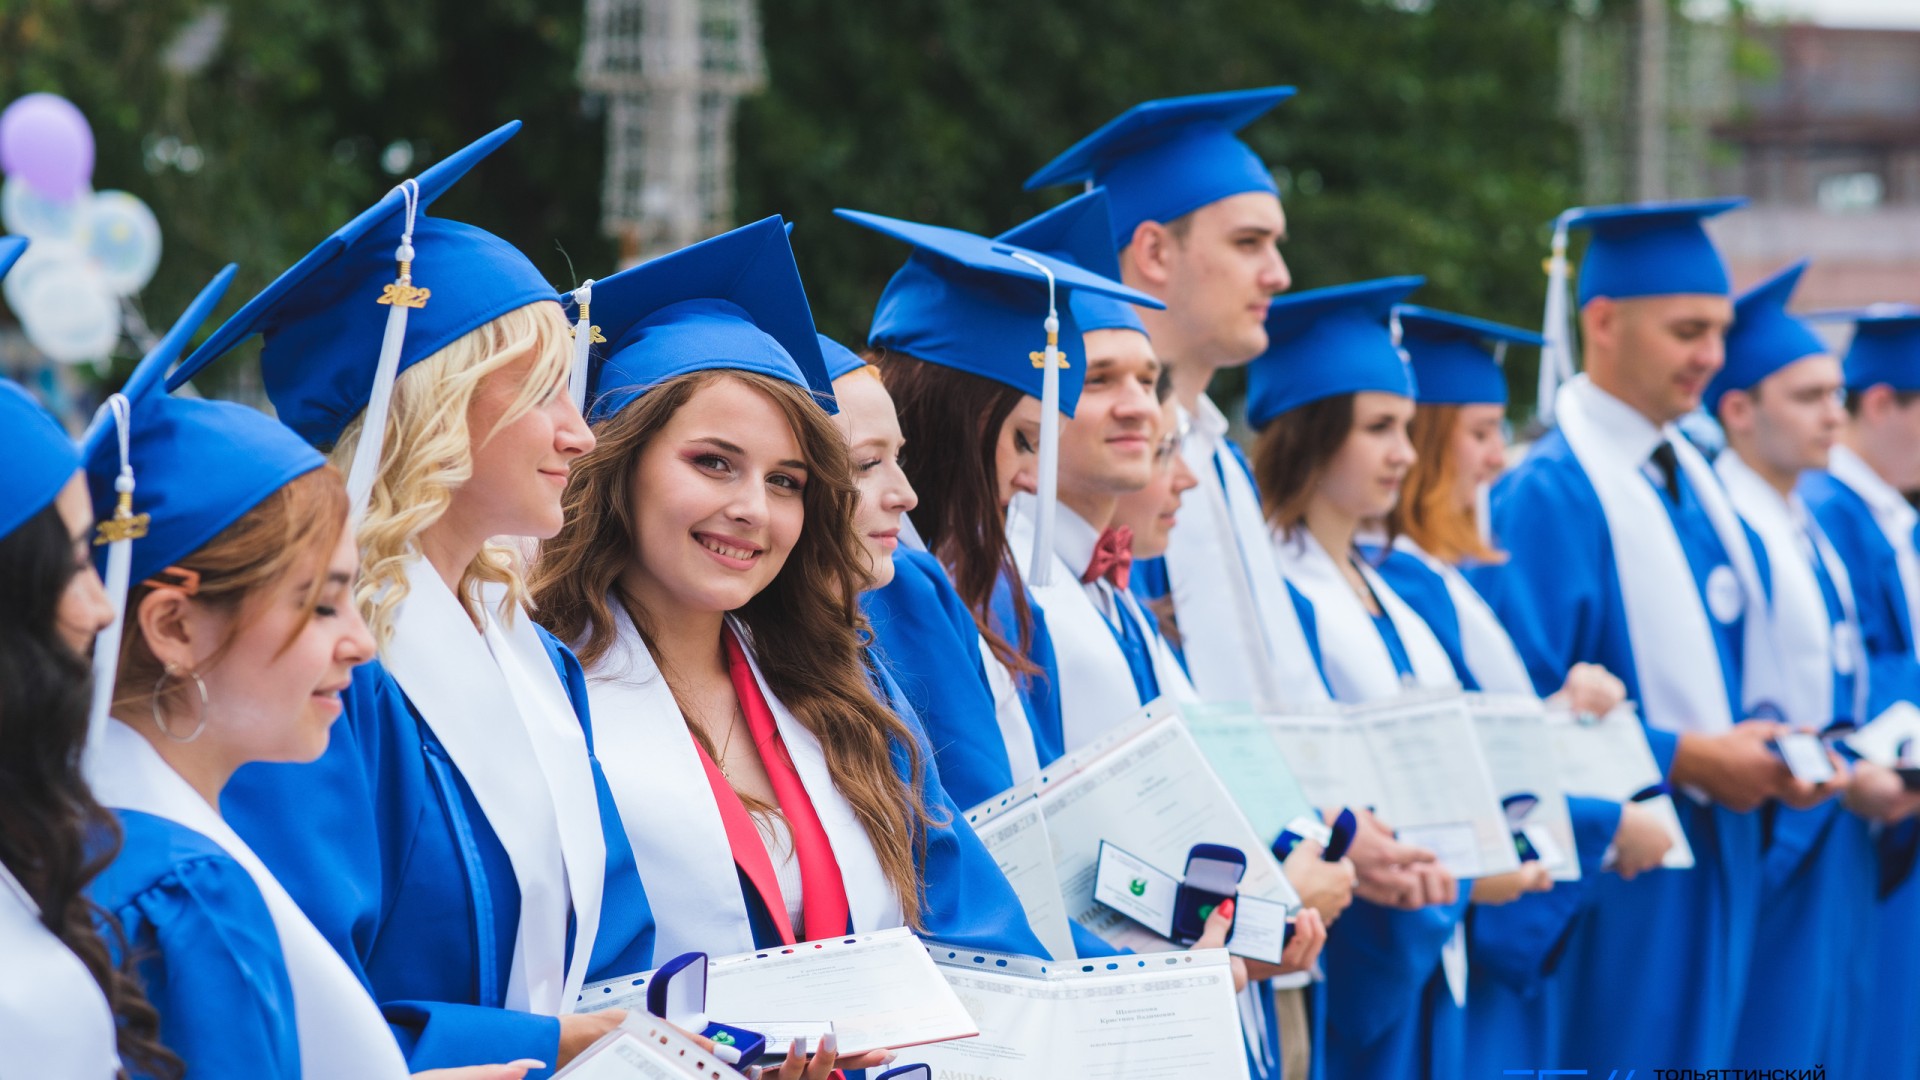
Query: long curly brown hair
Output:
(809,614)
(54,836)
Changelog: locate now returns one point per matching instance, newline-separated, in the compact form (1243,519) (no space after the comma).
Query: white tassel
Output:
(1041,566)
(118,533)
(1556,356)
(400,296)
(584,335)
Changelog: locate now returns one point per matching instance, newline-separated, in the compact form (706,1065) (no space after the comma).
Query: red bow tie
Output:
(1112,558)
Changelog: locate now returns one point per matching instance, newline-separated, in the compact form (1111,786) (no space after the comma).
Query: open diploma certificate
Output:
(1014,830)
(1165,1016)
(1416,761)
(1146,788)
(878,990)
(1519,752)
(645,1048)
(1609,759)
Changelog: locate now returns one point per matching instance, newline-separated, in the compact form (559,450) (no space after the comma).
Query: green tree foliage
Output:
(1424,139)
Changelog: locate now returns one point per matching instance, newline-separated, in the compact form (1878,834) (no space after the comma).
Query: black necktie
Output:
(1668,463)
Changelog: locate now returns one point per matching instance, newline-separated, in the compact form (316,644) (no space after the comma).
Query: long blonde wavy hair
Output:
(428,454)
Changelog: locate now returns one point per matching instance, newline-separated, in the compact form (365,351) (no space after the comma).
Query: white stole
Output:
(1675,656)
(1484,642)
(497,705)
(54,1020)
(341,1030)
(1016,733)
(1809,645)
(1354,655)
(1096,683)
(1238,629)
(654,770)
(1896,518)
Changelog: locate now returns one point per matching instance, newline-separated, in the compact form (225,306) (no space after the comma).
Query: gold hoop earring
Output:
(159,715)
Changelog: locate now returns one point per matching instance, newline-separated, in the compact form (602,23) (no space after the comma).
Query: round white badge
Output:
(1724,597)
(1846,643)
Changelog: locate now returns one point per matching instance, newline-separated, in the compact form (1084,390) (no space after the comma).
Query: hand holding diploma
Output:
(1736,768)
(1510,886)
(1640,842)
(1590,690)
(1325,887)
(1393,874)
(1877,793)
(824,1060)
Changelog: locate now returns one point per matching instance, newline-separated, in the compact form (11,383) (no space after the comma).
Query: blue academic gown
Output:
(1881,996)
(1514,1002)
(930,643)
(1039,693)
(206,951)
(385,848)
(1654,969)
(1389,1011)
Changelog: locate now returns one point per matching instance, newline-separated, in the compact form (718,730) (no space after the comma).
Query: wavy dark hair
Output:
(954,419)
(54,836)
(810,613)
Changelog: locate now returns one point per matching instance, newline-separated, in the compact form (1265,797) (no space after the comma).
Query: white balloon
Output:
(67,310)
(27,213)
(123,240)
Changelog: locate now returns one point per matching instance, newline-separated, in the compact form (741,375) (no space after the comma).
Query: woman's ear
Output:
(167,625)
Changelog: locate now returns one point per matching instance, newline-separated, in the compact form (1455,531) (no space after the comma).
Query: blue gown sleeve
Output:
(205,951)
(339,833)
(966,900)
(930,644)
(1039,693)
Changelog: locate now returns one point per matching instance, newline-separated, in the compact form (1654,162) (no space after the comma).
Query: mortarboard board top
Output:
(1452,363)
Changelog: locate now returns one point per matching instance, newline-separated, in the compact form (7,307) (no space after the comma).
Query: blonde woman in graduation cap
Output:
(456,843)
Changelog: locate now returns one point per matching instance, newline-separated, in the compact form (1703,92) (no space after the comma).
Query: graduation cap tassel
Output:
(399,296)
(118,533)
(1042,563)
(1556,356)
(584,336)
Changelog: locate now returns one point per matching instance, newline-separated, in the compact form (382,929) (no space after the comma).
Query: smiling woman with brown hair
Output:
(733,692)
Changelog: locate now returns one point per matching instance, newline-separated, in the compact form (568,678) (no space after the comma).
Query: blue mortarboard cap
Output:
(840,359)
(1080,231)
(966,302)
(40,456)
(1885,348)
(1764,338)
(1161,160)
(1327,342)
(1651,249)
(1455,358)
(322,319)
(733,301)
(198,465)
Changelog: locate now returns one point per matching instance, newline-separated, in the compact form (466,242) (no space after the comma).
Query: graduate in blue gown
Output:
(940,338)
(456,843)
(1623,551)
(1513,949)
(55,1019)
(1331,398)
(922,629)
(1859,505)
(708,577)
(239,635)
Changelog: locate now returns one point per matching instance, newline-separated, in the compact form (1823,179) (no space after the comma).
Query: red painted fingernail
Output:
(1226,908)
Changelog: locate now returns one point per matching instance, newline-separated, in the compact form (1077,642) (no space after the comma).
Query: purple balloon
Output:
(47,144)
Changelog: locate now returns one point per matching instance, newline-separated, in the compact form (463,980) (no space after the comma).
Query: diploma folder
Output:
(1609,758)
(879,990)
(1143,1017)
(1145,787)
(644,1047)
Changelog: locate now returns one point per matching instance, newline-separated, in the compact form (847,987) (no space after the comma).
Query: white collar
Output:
(1206,420)
(1074,540)
(1883,498)
(1623,429)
